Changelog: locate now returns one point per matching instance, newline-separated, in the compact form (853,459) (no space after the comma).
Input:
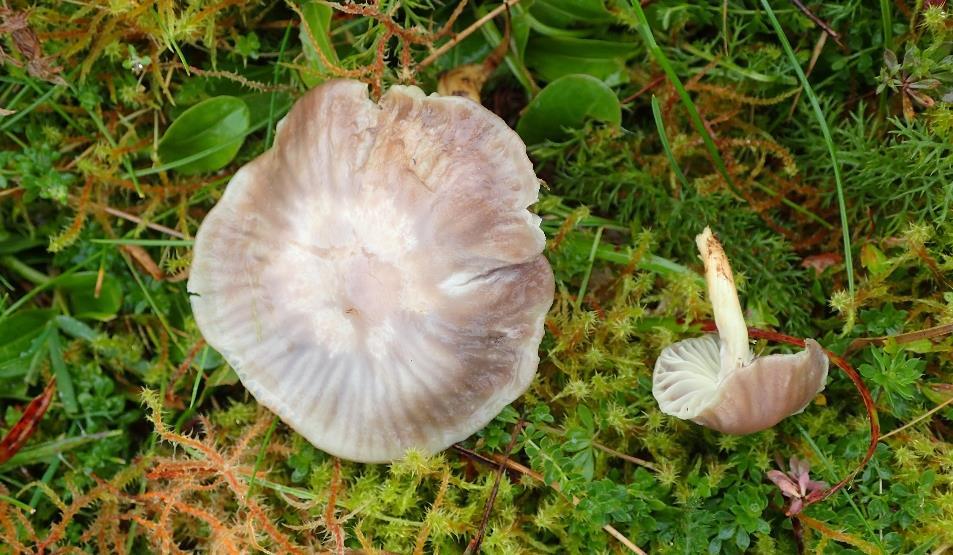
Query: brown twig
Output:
(448,26)
(525,470)
(899,339)
(477,541)
(623,540)
(919,419)
(142,258)
(13,191)
(605,448)
(648,86)
(623,456)
(819,22)
(137,220)
(443,48)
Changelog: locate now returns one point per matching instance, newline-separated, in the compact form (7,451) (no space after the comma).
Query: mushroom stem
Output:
(730,321)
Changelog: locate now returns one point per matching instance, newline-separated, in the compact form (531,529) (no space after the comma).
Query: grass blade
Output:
(592,260)
(274,82)
(145,242)
(828,140)
(657,114)
(63,379)
(43,451)
(666,65)
(887,20)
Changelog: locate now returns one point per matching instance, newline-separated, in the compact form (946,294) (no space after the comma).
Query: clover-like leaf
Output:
(207,136)
(567,103)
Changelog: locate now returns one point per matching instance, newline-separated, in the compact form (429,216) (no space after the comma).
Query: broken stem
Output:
(732,330)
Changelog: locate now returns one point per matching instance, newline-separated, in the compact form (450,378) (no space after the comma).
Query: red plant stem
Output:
(332,524)
(24,428)
(649,86)
(180,371)
(709,326)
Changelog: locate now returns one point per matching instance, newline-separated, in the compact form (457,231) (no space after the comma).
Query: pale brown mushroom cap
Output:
(375,278)
(690,384)
(715,380)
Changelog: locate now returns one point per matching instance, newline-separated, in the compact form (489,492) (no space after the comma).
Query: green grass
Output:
(663,138)
(828,140)
(662,60)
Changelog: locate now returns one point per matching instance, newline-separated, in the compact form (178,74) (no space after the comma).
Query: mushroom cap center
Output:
(352,283)
(371,289)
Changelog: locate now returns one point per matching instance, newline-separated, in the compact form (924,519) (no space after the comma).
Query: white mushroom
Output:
(715,380)
(376,278)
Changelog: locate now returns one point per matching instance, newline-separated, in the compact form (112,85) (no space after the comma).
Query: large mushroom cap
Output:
(376,278)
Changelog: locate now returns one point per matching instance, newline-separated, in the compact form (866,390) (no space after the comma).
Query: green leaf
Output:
(207,359)
(873,259)
(317,20)
(564,13)
(553,58)
(577,440)
(18,331)
(893,378)
(83,301)
(584,462)
(225,375)
(520,30)
(10,244)
(586,419)
(73,327)
(259,105)
(215,127)
(567,103)
(742,540)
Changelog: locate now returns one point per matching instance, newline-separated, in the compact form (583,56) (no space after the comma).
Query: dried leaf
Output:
(24,428)
(822,261)
(28,45)
(144,261)
(466,81)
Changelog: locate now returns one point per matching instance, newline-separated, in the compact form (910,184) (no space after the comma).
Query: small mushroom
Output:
(375,278)
(717,382)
